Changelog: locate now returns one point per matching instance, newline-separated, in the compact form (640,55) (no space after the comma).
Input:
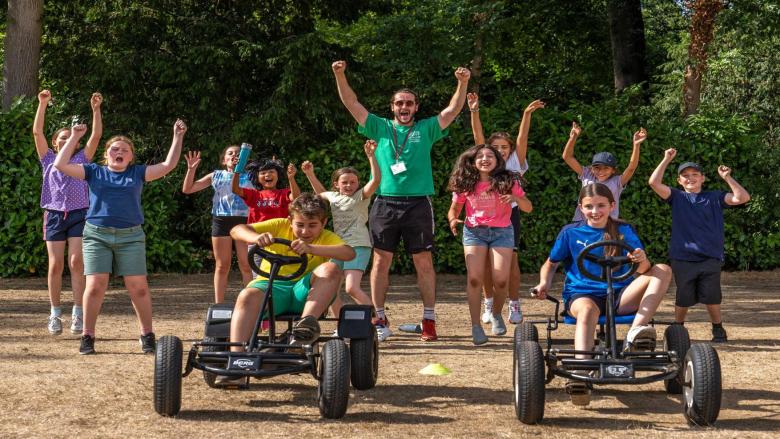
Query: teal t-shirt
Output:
(417,179)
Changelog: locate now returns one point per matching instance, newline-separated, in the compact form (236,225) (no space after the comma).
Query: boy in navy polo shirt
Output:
(696,247)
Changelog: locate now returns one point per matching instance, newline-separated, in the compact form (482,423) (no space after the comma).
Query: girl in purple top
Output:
(64,201)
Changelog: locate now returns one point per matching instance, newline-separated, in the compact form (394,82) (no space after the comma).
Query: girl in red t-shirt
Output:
(270,198)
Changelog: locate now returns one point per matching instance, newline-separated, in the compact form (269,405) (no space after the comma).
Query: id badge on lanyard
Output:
(399,166)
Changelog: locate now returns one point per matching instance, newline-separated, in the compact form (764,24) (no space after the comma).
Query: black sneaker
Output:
(719,334)
(306,331)
(87,345)
(148,344)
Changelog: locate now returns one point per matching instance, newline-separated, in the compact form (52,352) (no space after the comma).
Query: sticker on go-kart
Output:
(355,315)
(221,313)
(243,363)
(617,371)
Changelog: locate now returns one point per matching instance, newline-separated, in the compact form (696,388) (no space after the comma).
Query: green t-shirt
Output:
(417,179)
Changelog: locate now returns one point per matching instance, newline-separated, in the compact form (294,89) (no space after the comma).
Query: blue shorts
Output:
(600,301)
(112,250)
(359,262)
(492,237)
(59,226)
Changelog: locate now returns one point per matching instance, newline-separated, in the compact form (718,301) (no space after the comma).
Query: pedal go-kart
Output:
(331,360)
(693,370)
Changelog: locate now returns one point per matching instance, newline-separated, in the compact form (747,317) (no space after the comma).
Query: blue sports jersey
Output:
(571,240)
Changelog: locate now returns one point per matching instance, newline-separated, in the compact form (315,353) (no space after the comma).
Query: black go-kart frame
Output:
(274,353)
(693,370)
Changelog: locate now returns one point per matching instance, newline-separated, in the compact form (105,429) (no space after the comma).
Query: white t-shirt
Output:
(350,214)
(513,164)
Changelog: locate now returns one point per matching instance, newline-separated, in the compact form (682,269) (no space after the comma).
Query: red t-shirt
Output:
(266,204)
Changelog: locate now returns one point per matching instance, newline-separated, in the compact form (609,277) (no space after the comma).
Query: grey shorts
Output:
(112,250)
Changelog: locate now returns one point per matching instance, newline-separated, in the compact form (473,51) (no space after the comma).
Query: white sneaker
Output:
(515,314)
(76,325)
(640,338)
(487,315)
(382,329)
(55,325)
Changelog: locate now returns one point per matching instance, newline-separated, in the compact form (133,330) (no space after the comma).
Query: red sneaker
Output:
(429,330)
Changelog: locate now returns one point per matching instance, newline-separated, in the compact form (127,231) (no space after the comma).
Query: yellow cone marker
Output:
(435,369)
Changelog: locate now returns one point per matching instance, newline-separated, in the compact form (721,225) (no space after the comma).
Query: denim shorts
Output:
(492,237)
(112,250)
(360,262)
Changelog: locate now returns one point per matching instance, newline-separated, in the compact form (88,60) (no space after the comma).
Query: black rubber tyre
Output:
(526,331)
(529,382)
(676,339)
(364,354)
(701,385)
(333,389)
(167,376)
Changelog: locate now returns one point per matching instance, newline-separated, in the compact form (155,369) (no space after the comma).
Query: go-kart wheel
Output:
(676,339)
(364,354)
(529,382)
(701,385)
(525,331)
(333,389)
(167,376)
(256,250)
(603,261)
(209,377)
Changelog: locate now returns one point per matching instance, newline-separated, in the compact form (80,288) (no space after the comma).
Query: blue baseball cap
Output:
(604,158)
(687,165)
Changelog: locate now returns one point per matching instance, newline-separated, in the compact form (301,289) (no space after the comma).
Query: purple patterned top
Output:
(59,191)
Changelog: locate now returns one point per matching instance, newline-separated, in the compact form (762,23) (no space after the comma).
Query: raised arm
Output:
(97,126)
(61,162)
(639,137)
(308,170)
(235,187)
(376,175)
(521,146)
(476,122)
(546,274)
(190,186)
(448,115)
(568,150)
(41,145)
(656,180)
(347,95)
(162,169)
(294,189)
(738,194)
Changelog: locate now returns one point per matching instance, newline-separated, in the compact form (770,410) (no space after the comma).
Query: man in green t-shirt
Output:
(402,209)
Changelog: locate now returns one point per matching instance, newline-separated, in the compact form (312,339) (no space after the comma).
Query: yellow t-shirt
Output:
(281,228)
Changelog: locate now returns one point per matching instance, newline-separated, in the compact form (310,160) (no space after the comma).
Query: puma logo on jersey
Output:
(584,244)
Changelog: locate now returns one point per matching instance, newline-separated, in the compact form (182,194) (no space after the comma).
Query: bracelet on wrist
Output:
(474,111)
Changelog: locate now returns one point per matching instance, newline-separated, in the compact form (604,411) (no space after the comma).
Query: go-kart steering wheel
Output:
(255,249)
(605,261)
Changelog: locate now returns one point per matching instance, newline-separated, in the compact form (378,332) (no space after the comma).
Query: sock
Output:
(380,313)
(488,303)
(514,303)
(717,325)
(429,314)
(89,332)
(56,311)
(146,331)
(77,311)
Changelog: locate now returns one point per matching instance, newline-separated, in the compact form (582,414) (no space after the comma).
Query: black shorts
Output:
(600,301)
(221,225)
(395,218)
(516,226)
(697,282)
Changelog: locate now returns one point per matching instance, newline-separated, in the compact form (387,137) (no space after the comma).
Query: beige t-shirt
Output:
(350,214)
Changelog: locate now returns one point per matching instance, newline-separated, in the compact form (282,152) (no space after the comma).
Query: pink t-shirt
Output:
(484,208)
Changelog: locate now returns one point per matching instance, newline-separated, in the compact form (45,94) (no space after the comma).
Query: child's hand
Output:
(454,226)
(300,247)
(640,136)
(78,131)
(506,198)
(369,147)
(265,239)
(307,167)
(291,170)
(193,159)
(539,291)
(179,128)
(463,74)
(44,96)
(669,154)
(724,171)
(637,256)
(473,100)
(96,101)
(339,66)
(575,130)
(533,106)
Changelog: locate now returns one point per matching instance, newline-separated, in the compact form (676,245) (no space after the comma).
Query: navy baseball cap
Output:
(604,158)
(687,165)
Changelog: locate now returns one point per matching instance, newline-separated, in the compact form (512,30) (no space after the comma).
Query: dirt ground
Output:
(47,389)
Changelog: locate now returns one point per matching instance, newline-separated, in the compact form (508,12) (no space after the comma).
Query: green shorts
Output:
(112,250)
(289,296)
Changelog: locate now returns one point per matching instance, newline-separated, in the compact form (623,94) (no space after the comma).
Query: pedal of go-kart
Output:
(579,392)
(231,383)
(355,321)
(645,344)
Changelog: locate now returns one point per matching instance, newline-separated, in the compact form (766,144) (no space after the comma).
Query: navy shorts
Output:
(395,218)
(221,225)
(59,226)
(515,217)
(600,301)
(697,282)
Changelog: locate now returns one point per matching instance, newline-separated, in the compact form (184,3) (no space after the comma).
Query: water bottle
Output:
(243,157)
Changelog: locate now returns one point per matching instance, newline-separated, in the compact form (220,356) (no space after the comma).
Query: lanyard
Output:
(399,151)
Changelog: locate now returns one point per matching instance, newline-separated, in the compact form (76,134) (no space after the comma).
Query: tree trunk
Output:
(627,34)
(702,32)
(22,49)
